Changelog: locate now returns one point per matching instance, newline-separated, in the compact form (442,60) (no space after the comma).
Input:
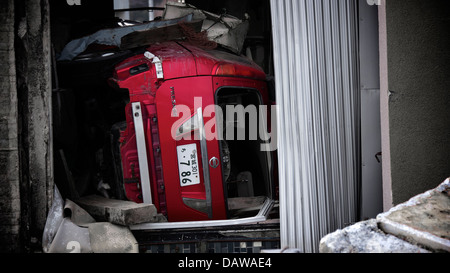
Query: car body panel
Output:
(191,77)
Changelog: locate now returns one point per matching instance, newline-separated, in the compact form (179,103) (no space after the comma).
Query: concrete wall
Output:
(26,165)
(371,180)
(415,96)
(33,64)
(9,153)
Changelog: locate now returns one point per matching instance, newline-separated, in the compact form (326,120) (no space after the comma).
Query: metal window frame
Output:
(260,217)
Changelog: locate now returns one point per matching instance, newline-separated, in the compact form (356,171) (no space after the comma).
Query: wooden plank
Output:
(157,35)
(119,212)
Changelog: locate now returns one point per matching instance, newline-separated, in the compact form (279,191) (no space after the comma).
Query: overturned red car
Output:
(197,141)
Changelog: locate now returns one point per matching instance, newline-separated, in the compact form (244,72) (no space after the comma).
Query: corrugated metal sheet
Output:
(317,89)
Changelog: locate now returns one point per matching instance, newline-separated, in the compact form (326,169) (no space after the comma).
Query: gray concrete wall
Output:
(371,180)
(33,66)
(418,95)
(26,165)
(9,153)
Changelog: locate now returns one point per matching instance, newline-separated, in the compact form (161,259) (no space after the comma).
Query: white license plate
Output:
(188,165)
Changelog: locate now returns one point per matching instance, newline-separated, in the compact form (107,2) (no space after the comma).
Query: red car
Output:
(189,145)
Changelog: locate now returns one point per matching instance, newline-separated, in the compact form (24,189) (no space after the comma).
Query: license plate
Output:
(188,165)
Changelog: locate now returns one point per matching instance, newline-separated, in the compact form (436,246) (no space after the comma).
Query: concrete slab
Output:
(70,229)
(365,237)
(424,219)
(110,238)
(119,212)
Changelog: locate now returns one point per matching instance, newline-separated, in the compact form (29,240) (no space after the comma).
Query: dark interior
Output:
(246,168)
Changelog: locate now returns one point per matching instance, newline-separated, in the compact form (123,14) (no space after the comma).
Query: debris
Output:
(365,237)
(112,36)
(420,225)
(118,212)
(70,229)
(423,219)
(158,34)
(77,214)
(197,38)
(224,29)
(70,238)
(54,220)
(110,238)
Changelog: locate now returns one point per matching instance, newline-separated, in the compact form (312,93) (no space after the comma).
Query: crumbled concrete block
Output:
(110,238)
(422,224)
(424,219)
(365,237)
(119,212)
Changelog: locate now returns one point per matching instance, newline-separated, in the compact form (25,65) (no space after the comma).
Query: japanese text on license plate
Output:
(188,165)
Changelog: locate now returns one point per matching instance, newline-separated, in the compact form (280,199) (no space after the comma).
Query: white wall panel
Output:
(317,89)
